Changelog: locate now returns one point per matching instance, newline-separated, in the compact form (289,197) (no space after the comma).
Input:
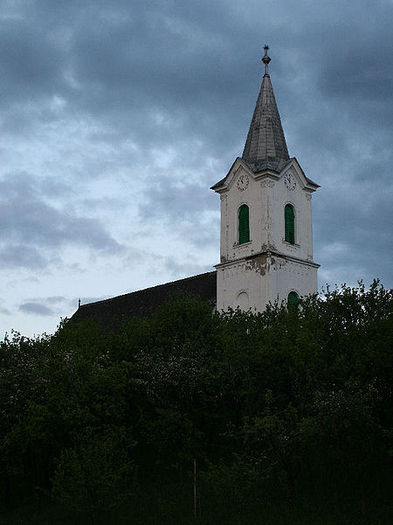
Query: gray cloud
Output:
(5,311)
(353,231)
(187,268)
(28,73)
(173,200)
(56,299)
(35,309)
(52,305)
(130,111)
(162,72)
(30,226)
(21,256)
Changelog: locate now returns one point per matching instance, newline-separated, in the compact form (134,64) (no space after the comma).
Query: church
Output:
(266,242)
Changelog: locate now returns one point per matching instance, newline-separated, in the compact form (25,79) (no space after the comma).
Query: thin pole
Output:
(195,488)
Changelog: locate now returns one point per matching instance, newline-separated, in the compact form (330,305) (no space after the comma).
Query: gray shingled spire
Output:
(265,145)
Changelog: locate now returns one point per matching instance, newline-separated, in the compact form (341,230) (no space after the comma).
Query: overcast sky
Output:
(117,116)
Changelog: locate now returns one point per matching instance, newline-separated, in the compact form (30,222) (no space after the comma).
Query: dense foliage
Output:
(288,415)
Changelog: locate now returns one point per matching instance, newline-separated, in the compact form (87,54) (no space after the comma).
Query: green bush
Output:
(96,474)
(288,409)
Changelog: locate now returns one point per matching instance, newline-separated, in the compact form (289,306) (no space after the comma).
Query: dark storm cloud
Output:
(189,62)
(159,70)
(175,74)
(29,62)
(350,232)
(123,65)
(29,225)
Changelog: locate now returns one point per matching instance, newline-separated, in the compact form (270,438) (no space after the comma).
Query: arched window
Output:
(244,224)
(293,299)
(289,224)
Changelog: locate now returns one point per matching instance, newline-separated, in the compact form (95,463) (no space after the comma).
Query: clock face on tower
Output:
(242,182)
(289,181)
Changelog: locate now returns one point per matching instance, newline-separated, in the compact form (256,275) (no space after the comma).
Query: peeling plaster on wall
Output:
(269,276)
(260,264)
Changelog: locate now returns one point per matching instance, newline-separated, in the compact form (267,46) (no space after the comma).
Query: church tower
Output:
(266,247)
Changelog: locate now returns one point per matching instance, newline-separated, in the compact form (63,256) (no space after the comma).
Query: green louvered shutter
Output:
(244,224)
(293,299)
(289,224)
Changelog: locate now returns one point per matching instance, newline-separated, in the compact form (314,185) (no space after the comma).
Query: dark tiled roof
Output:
(265,146)
(111,312)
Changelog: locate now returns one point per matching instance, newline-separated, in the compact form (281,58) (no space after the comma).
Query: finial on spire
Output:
(266,59)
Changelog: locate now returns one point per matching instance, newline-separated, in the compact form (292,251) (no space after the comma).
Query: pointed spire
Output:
(265,145)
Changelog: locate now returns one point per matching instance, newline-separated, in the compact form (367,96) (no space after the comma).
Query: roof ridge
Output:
(157,286)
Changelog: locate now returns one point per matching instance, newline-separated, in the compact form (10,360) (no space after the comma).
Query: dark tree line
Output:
(287,413)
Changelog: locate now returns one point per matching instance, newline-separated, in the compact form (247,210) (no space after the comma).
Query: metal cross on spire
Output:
(266,59)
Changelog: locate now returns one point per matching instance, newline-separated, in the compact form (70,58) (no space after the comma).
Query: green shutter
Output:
(289,224)
(293,299)
(244,225)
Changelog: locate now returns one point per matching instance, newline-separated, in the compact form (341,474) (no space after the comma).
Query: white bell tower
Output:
(266,247)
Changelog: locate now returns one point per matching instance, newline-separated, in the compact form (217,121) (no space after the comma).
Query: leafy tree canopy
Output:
(291,408)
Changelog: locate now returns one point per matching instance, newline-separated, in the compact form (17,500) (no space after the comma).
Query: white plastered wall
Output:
(276,267)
